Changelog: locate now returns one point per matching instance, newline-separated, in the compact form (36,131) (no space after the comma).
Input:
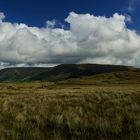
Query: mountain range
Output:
(69,71)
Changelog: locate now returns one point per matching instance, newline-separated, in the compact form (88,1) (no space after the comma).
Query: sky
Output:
(51,32)
(37,12)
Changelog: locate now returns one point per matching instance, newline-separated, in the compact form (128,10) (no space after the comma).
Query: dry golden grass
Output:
(45,111)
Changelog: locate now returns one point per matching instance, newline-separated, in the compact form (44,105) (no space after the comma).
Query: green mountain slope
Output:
(66,71)
(19,74)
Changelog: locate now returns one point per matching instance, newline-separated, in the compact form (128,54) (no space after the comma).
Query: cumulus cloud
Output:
(90,39)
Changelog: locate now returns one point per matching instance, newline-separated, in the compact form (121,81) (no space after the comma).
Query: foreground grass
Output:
(48,112)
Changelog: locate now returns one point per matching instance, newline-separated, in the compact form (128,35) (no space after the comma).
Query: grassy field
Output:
(48,111)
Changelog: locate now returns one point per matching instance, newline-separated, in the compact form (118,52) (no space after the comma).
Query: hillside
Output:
(19,74)
(66,71)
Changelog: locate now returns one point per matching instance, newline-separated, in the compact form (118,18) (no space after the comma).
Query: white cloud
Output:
(50,24)
(132,5)
(128,18)
(90,39)
(2,16)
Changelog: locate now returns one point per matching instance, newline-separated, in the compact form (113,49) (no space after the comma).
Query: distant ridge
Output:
(60,72)
(19,74)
